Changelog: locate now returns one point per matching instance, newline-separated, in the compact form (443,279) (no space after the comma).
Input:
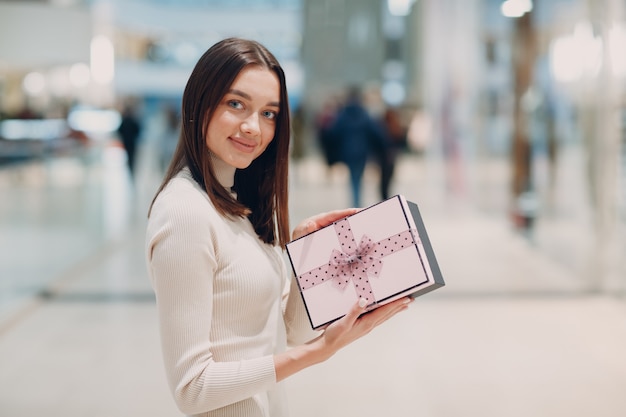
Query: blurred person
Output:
(388,154)
(227,306)
(298,122)
(169,138)
(323,127)
(298,140)
(357,135)
(419,132)
(129,131)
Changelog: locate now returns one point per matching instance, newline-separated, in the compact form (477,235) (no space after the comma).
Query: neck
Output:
(224,172)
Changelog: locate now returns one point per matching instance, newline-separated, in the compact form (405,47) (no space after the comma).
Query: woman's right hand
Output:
(355,324)
(337,335)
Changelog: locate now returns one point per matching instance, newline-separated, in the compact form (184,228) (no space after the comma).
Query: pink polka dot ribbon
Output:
(356,262)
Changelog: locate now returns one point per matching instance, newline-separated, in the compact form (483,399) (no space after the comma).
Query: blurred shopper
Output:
(388,154)
(169,138)
(323,126)
(227,305)
(357,135)
(419,133)
(129,131)
(298,144)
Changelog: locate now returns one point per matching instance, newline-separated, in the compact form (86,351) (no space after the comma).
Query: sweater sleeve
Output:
(180,250)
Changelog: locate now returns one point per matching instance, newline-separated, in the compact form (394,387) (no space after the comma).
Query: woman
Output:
(227,306)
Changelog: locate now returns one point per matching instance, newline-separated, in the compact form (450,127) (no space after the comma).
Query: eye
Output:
(235,104)
(269,114)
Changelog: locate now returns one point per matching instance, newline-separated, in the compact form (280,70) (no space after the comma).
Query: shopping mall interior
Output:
(512,141)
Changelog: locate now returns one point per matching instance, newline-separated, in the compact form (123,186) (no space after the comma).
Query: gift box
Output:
(381,253)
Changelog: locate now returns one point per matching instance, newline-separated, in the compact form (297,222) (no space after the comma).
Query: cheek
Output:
(265,145)
(216,127)
(207,137)
(268,135)
(208,129)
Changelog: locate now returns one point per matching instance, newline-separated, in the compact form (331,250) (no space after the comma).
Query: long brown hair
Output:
(262,187)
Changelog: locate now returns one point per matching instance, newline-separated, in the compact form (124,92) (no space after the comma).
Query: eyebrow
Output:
(248,97)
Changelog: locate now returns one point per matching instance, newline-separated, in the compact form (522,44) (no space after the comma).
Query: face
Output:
(244,121)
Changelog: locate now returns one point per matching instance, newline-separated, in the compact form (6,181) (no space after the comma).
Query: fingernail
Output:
(362,302)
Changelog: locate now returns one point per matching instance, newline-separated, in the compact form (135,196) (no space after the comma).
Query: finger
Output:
(305,228)
(355,311)
(324,219)
(385,312)
(321,220)
(390,314)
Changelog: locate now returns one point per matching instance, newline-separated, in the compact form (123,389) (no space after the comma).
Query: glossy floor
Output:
(512,333)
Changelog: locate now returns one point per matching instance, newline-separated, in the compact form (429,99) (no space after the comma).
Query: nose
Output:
(250,125)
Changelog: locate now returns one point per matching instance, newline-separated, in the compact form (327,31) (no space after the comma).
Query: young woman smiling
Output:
(232,322)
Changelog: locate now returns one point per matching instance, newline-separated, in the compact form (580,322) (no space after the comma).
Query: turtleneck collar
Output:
(224,172)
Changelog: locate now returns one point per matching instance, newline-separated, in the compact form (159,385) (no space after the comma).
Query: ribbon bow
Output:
(355,266)
(355,263)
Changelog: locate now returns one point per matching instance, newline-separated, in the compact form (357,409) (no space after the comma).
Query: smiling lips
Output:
(243,145)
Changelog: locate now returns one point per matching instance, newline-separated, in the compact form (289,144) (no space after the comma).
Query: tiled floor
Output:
(511,334)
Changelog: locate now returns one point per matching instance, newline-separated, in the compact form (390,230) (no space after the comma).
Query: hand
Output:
(321,220)
(354,325)
(337,335)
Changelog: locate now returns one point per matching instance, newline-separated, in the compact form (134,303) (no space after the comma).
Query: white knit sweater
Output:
(226,304)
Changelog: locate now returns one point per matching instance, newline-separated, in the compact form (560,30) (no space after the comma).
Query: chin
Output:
(241,164)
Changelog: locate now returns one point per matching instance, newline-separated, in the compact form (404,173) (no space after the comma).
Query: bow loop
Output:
(358,264)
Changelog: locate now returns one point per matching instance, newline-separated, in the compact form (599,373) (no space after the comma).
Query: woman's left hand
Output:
(321,220)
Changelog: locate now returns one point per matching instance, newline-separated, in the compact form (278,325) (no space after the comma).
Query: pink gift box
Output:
(381,253)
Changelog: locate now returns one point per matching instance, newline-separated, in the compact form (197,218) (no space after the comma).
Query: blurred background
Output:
(508,122)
